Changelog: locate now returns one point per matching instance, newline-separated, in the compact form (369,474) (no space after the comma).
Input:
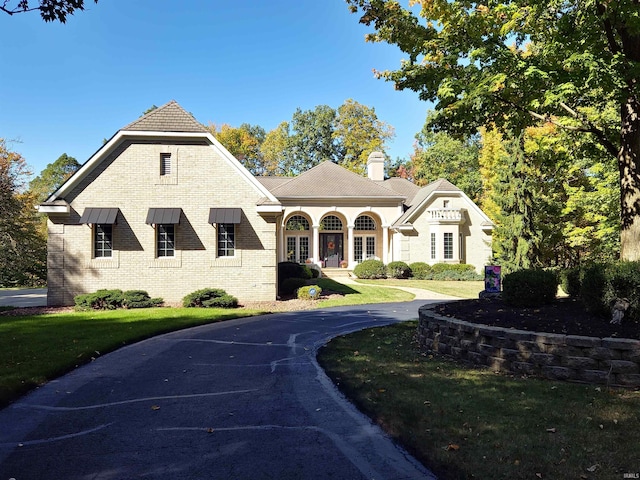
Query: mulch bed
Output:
(564,316)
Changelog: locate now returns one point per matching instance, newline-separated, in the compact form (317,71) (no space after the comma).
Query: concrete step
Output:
(336,272)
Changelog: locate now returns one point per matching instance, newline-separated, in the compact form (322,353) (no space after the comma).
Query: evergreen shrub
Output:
(570,281)
(210,298)
(529,288)
(398,270)
(370,269)
(592,286)
(139,299)
(102,299)
(291,285)
(305,293)
(623,281)
(420,270)
(293,270)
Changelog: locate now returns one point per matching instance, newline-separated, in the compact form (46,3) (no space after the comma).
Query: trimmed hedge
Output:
(209,298)
(370,269)
(529,288)
(309,292)
(291,285)
(420,270)
(570,281)
(398,270)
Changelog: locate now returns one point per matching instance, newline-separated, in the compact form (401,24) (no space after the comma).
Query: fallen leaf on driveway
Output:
(155,407)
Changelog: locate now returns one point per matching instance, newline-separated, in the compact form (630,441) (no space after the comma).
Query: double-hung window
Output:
(433,246)
(166,240)
(448,246)
(226,240)
(102,240)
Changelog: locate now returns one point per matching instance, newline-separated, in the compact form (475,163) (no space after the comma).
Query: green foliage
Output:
(293,270)
(570,281)
(209,298)
(623,282)
(243,143)
(420,270)
(438,155)
(139,299)
(103,299)
(529,288)
(516,64)
(593,281)
(53,176)
(23,244)
(309,292)
(398,270)
(370,269)
(291,285)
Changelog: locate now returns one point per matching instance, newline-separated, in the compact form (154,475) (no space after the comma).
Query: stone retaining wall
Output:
(608,361)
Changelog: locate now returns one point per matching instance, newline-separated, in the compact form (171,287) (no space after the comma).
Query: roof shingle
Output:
(170,117)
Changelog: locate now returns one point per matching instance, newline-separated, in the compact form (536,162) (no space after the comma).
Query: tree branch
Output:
(586,127)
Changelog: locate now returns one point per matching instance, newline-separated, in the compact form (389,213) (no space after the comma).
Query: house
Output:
(164,207)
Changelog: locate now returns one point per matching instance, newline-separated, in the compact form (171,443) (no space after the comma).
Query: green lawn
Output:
(447,287)
(472,423)
(34,349)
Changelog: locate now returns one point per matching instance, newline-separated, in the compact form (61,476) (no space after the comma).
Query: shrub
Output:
(623,281)
(139,299)
(225,301)
(398,270)
(420,270)
(592,285)
(309,292)
(529,288)
(291,285)
(457,274)
(570,281)
(209,297)
(370,269)
(293,270)
(100,300)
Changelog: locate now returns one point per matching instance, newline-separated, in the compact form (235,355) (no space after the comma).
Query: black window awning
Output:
(103,216)
(225,215)
(159,216)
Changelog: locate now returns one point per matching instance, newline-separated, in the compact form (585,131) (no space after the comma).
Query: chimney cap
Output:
(375,157)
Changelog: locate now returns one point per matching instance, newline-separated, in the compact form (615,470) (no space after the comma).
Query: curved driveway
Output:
(241,399)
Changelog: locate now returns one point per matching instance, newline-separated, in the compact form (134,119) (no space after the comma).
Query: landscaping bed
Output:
(565,316)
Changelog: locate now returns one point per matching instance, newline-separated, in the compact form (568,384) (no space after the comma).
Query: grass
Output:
(38,348)
(461,289)
(471,423)
(359,294)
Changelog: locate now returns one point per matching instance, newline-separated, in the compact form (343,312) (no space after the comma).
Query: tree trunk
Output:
(628,163)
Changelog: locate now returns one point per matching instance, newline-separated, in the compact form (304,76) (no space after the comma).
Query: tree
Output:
(276,154)
(244,143)
(517,63)
(23,250)
(50,10)
(439,155)
(52,177)
(359,132)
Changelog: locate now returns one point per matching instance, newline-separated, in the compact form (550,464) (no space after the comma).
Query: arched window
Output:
(365,222)
(297,223)
(331,222)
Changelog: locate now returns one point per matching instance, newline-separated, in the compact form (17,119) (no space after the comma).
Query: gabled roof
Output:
(169,121)
(441,185)
(170,117)
(329,180)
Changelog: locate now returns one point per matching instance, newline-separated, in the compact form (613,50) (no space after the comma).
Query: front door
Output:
(331,249)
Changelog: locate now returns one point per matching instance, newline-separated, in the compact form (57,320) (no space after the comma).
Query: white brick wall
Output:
(129,180)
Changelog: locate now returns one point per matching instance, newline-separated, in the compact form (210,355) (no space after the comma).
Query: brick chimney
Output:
(375,166)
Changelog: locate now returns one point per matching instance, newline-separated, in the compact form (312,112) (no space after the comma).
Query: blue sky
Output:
(66,87)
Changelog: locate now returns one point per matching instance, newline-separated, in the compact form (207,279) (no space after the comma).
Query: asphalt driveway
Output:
(242,399)
(23,297)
